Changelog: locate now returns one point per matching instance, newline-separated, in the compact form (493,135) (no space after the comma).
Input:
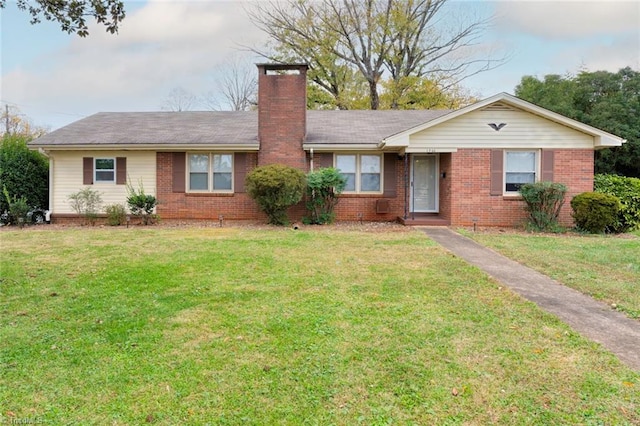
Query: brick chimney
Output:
(282,114)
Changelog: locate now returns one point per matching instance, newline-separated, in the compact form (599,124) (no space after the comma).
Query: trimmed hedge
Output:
(595,212)
(24,173)
(627,189)
(275,188)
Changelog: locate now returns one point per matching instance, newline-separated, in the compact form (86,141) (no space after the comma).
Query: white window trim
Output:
(359,171)
(538,155)
(95,170)
(209,189)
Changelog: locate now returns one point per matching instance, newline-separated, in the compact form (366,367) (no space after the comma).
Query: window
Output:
(520,168)
(105,170)
(222,171)
(363,172)
(210,172)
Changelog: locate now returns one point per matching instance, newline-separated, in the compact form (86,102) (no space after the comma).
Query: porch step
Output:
(424,219)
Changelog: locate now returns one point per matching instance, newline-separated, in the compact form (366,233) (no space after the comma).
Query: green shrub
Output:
(627,189)
(595,212)
(25,173)
(18,208)
(87,203)
(116,214)
(323,187)
(140,204)
(275,188)
(543,203)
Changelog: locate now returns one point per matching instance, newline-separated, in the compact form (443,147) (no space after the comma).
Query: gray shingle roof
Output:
(151,128)
(227,127)
(362,126)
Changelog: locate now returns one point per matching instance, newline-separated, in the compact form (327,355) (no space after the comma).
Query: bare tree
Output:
(179,99)
(402,37)
(237,84)
(14,122)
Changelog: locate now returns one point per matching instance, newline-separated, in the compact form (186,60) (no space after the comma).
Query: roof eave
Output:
(145,147)
(340,147)
(602,142)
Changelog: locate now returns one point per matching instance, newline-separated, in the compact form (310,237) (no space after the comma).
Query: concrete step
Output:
(424,220)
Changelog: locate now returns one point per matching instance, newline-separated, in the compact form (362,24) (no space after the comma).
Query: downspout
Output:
(413,188)
(47,213)
(311,159)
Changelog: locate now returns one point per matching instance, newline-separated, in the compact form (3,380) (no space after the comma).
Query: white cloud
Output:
(164,44)
(606,56)
(569,19)
(160,46)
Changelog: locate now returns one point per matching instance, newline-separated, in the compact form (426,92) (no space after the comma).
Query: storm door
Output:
(424,183)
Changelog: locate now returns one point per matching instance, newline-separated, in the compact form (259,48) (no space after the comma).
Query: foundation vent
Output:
(382,206)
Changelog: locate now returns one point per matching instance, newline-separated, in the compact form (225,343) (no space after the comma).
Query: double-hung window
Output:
(362,171)
(210,172)
(520,167)
(104,170)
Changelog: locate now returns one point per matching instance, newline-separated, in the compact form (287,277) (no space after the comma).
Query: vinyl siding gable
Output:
(521,130)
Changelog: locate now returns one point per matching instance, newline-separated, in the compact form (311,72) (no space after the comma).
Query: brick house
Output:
(418,167)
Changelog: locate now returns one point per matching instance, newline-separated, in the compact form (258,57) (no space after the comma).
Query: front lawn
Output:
(606,267)
(274,326)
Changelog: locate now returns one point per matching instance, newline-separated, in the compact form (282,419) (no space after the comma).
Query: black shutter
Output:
(547,165)
(87,170)
(240,171)
(390,178)
(323,160)
(121,170)
(179,165)
(497,159)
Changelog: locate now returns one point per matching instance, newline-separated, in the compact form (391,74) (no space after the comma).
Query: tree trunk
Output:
(373,94)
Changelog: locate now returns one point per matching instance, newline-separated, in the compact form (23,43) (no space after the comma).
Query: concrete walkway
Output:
(594,320)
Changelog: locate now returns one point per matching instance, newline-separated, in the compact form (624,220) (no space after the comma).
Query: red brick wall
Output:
(354,207)
(239,206)
(574,168)
(469,182)
(445,186)
(181,205)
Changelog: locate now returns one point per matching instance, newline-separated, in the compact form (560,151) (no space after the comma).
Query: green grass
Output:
(248,326)
(604,267)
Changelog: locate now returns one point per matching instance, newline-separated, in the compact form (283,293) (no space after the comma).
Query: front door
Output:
(424,183)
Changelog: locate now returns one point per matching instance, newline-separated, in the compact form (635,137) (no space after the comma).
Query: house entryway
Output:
(424,191)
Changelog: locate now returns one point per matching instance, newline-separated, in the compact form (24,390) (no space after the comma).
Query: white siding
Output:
(66,177)
(522,130)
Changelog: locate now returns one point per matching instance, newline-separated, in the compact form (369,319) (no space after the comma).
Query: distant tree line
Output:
(602,99)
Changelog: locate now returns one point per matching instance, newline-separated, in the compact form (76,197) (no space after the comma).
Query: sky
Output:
(53,78)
